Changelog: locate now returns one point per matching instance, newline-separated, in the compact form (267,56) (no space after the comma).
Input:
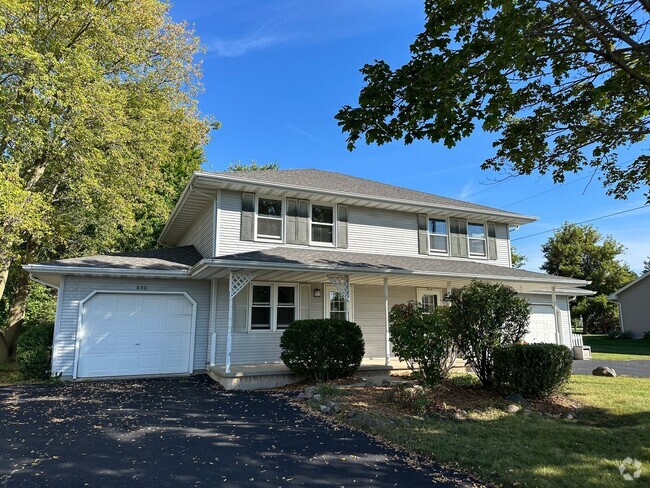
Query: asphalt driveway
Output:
(638,368)
(185,432)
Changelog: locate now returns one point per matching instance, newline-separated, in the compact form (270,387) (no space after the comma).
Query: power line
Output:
(490,187)
(583,222)
(546,191)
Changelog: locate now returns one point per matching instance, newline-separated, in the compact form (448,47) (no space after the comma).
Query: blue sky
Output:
(276,72)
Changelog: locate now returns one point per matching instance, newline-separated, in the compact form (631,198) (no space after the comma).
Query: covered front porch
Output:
(252,302)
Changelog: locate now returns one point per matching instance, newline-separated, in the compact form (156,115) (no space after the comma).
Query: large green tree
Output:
(580,251)
(97,108)
(565,84)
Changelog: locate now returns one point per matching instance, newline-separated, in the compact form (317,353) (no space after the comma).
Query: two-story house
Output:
(246,253)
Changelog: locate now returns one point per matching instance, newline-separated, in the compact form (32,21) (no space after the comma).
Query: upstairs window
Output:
(438,241)
(269,219)
(322,224)
(476,236)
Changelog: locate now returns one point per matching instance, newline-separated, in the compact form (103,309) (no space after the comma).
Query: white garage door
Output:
(129,334)
(542,325)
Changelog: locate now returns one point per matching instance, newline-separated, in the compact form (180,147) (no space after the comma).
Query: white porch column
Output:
(387,311)
(559,339)
(237,282)
(449,292)
(213,322)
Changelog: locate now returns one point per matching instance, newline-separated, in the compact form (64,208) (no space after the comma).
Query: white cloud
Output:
(466,191)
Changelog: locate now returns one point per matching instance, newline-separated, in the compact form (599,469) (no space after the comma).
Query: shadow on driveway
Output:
(164,432)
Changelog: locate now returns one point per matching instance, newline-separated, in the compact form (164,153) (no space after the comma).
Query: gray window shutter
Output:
(423,234)
(458,237)
(492,241)
(342,227)
(247,216)
(302,234)
(305,300)
(240,311)
(292,221)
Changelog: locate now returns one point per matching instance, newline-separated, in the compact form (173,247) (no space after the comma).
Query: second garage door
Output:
(542,325)
(135,334)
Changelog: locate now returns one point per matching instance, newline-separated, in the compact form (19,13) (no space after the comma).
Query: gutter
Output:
(233,263)
(82,270)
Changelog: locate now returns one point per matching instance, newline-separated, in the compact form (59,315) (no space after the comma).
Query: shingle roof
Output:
(380,262)
(175,258)
(345,184)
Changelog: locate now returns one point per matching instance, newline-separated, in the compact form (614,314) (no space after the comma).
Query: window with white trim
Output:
(273,306)
(477,240)
(269,218)
(322,224)
(438,236)
(429,299)
(336,306)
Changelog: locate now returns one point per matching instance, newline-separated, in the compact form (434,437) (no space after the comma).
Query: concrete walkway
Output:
(638,368)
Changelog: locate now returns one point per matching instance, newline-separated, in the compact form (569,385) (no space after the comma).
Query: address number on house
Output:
(141,287)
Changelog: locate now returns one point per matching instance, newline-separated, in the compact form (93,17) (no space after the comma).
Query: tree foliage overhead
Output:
(252,166)
(566,84)
(580,251)
(646,266)
(517,259)
(98,125)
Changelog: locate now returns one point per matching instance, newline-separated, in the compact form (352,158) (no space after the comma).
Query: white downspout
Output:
(559,339)
(213,320)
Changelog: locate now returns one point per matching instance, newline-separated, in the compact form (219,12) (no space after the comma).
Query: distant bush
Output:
(322,349)
(646,335)
(617,334)
(422,338)
(531,370)
(34,352)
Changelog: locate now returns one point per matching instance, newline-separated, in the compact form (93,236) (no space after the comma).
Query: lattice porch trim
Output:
(342,284)
(238,280)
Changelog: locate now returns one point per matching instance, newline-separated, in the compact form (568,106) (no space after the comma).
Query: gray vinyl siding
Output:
(264,347)
(636,311)
(201,232)
(77,288)
(369,231)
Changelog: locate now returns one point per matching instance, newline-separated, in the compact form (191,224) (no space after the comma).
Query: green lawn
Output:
(525,449)
(602,347)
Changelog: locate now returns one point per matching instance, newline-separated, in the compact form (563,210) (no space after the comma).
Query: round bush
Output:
(323,349)
(531,370)
(34,352)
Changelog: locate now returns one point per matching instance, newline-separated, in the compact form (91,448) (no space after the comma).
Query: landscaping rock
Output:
(604,371)
(309,392)
(352,414)
(516,398)
(512,408)
(385,383)
(569,416)
(528,411)
(301,397)
(318,397)
(325,409)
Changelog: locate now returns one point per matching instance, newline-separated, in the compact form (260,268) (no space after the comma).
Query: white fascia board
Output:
(235,264)
(82,270)
(181,201)
(283,186)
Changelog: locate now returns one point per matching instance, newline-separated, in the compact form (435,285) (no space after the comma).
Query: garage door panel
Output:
(124,335)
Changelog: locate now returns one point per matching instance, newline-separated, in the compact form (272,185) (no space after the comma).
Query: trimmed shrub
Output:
(422,339)
(531,370)
(482,317)
(322,349)
(34,352)
(618,334)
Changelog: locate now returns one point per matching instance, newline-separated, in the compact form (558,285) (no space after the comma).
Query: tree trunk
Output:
(4,274)
(17,313)
(4,350)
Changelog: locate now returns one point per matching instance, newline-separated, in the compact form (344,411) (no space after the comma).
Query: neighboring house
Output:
(634,306)
(249,252)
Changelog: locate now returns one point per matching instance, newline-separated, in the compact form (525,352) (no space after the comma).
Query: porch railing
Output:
(576,340)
